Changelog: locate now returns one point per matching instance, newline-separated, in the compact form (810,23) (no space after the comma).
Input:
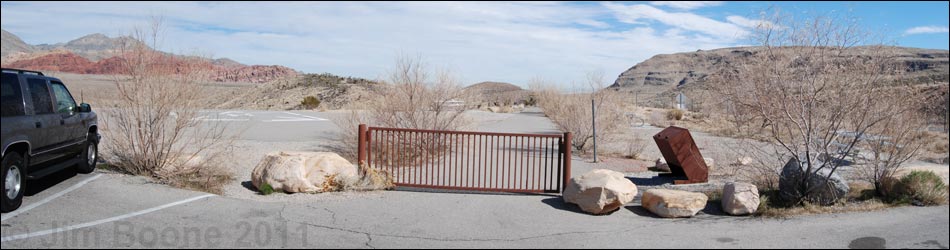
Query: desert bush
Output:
(812,83)
(412,97)
(921,187)
(572,112)
(310,102)
(153,127)
(675,114)
(635,148)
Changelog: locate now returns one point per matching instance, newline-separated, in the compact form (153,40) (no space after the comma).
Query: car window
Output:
(64,101)
(42,102)
(11,99)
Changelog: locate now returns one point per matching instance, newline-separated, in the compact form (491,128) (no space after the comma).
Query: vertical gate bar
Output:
(400,153)
(458,158)
(431,172)
(540,164)
(522,161)
(471,168)
(369,150)
(511,165)
(497,152)
(415,159)
(568,142)
(529,176)
(483,165)
(463,175)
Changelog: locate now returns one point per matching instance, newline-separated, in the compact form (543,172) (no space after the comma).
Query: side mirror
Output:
(85,108)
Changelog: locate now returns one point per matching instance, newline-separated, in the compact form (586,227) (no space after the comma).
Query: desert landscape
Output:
(816,130)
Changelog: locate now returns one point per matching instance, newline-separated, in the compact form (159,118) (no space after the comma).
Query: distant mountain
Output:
(100,54)
(11,45)
(670,71)
(496,93)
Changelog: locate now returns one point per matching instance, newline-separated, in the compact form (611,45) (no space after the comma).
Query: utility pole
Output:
(593,114)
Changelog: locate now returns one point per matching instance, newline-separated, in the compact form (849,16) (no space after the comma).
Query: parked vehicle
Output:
(42,131)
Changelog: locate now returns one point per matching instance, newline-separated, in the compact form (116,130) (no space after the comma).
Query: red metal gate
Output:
(471,161)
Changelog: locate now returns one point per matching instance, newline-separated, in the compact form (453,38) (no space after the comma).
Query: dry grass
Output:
(808,209)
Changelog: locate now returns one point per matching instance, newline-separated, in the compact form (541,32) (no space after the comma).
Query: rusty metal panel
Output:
(683,156)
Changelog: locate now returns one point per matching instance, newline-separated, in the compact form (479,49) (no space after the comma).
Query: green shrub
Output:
(922,188)
(675,114)
(310,102)
(266,189)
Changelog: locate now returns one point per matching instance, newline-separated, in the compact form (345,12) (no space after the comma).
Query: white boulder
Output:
(673,203)
(740,199)
(600,191)
(304,172)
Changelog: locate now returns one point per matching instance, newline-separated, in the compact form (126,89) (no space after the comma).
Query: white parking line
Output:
(48,199)
(296,118)
(99,222)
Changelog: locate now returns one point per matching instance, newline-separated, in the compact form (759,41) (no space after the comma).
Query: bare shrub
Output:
(815,90)
(412,97)
(572,112)
(152,127)
(635,148)
(675,114)
(894,142)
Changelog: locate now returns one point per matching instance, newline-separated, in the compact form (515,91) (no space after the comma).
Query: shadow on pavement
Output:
(642,212)
(652,181)
(35,187)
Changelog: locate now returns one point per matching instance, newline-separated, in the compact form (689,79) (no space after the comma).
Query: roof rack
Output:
(21,71)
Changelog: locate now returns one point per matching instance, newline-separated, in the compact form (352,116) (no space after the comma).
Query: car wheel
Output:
(90,155)
(13,185)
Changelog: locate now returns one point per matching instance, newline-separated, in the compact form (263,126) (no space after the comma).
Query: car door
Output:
(47,128)
(73,132)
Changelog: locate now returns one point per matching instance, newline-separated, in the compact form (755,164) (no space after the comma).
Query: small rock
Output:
(744,161)
(710,164)
(740,199)
(600,191)
(834,189)
(673,203)
(662,166)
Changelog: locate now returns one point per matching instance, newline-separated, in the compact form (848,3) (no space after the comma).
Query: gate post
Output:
(361,146)
(568,143)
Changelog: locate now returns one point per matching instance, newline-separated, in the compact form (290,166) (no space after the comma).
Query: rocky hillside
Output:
(12,44)
(333,92)
(496,94)
(657,79)
(100,54)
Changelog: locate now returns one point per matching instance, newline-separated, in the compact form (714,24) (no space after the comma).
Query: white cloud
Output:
(511,42)
(927,30)
(636,14)
(687,5)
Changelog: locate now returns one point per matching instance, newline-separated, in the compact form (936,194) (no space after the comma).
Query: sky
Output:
(560,42)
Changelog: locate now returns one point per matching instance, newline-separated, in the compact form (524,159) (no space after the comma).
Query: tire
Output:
(89,156)
(13,165)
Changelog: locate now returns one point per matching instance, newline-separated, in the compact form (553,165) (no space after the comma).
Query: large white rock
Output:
(600,191)
(740,199)
(304,172)
(673,203)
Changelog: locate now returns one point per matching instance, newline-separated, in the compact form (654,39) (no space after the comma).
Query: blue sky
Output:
(478,41)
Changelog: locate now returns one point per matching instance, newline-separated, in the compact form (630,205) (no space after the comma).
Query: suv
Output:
(43,131)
